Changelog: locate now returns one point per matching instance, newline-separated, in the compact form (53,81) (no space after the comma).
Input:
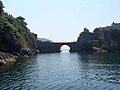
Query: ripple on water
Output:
(61,71)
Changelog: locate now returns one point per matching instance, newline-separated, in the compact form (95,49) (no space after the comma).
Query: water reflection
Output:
(101,58)
(63,71)
(17,75)
(100,66)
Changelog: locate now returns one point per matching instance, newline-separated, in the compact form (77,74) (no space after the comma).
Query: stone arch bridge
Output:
(54,47)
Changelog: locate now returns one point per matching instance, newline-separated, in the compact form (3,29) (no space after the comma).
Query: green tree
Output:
(1,7)
(21,18)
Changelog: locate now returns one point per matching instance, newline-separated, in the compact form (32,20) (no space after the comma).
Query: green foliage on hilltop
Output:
(1,7)
(13,25)
(14,33)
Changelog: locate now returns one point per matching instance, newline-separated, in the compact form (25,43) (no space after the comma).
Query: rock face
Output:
(107,38)
(86,36)
(6,58)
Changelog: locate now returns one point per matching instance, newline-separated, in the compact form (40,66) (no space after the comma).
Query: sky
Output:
(64,20)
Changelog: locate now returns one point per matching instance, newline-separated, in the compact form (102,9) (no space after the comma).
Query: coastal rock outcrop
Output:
(106,38)
(6,58)
(86,36)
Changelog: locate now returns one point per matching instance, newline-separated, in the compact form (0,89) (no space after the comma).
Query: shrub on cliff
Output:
(1,7)
(14,35)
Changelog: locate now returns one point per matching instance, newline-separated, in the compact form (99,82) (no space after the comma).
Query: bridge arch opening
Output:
(65,48)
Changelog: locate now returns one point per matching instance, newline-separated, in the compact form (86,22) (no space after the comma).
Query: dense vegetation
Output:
(1,7)
(15,37)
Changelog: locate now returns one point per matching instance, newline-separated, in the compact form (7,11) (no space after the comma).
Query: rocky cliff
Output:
(107,38)
(15,38)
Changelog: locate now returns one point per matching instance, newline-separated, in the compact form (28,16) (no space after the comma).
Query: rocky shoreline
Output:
(6,58)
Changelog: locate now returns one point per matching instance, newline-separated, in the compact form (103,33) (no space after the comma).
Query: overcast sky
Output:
(63,20)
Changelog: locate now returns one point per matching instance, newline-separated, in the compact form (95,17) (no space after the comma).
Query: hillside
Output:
(15,37)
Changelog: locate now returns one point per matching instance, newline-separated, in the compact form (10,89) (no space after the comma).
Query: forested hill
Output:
(15,37)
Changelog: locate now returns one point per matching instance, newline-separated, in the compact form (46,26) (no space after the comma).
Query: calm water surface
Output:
(63,71)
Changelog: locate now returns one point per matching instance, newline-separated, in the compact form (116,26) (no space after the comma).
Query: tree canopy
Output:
(1,7)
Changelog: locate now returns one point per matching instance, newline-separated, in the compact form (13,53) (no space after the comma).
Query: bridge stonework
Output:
(54,47)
